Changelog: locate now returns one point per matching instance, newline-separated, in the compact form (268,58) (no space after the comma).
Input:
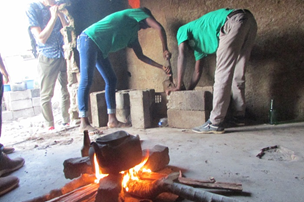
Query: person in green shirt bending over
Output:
(112,33)
(230,34)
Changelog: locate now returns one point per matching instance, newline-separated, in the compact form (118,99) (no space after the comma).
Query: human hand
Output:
(54,10)
(167,55)
(167,70)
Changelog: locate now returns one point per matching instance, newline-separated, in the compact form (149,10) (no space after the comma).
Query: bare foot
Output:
(91,130)
(119,125)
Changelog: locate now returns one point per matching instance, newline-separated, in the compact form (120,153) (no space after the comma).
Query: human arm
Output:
(43,35)
(151,22)
(3,70)
(139,53)
(198,69)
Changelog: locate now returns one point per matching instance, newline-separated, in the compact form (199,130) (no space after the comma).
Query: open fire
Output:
(122,174)
(131,174)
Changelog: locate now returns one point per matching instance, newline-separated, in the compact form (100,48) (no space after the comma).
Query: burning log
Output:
(83,194)
(150,189)
(69,187)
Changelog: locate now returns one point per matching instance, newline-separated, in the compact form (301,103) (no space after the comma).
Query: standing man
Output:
(112,33)
(230,33)
(7,165)
(45,22)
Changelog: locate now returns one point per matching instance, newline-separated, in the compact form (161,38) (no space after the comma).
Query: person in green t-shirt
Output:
(230,34)
(112,33)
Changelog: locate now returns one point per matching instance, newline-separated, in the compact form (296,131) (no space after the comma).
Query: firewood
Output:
(74,184)
(82,194)
(150,189)
(212,185)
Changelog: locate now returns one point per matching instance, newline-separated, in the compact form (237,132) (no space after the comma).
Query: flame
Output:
(98,174)
(132,173)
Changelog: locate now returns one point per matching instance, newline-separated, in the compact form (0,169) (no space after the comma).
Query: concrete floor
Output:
(230,157)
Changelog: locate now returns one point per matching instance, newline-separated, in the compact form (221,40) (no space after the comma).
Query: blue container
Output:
(6,87)
(29,84)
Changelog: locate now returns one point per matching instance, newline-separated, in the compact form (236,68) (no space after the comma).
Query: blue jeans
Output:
(91,56)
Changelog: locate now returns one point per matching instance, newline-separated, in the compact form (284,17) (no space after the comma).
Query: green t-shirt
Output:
(117,30)
(203,34)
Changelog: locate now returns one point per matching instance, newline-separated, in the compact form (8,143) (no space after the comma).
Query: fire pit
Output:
(124,172)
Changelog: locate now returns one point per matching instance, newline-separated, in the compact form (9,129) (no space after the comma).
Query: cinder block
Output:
(19,104)
(35,92)
(187,100)
(7,116)
(17,95)
(160,107)
(36,101)
(98,109)
(37,110)
(23,113)
(142,103)
(186,119)
(123,105)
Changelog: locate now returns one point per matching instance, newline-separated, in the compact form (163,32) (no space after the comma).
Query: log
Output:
(83,194)
(150,189)
(83,180)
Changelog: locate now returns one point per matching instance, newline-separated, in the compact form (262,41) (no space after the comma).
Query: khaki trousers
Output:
(235,44)
(49,70)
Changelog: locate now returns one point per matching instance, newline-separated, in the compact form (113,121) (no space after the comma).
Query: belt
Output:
(237,11)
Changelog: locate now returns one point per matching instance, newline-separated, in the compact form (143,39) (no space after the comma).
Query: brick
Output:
(17,95)
(19,104)
(142,103)
(186,119)
(187,100)
(98,109)
(36,101)
(23,113)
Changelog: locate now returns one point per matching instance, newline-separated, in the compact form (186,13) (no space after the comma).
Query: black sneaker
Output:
(209,128)
(238,120)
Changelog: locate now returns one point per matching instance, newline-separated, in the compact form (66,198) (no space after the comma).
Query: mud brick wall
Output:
(275,70)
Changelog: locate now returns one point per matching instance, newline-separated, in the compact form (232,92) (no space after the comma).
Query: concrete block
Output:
(37,110)
(160,107)
(35,92)
(19,104)
(142,103)
(187,100)
(186,119)
(98,109)
(17,95)
(36,101)
(123,105)
(7,116)
(23,113)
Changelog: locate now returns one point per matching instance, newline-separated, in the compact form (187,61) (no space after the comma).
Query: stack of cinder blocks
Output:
(187,109)
(21,104)
(131,105)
